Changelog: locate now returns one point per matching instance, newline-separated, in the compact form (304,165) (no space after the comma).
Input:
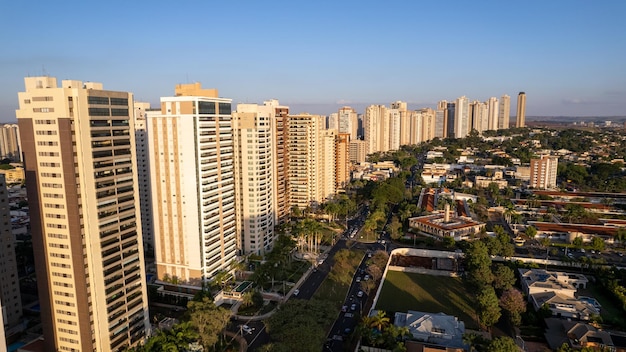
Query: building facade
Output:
(520,120)
(254,172)
(504,112)
(10,144)
(543,171)
(10,287)
(304,153)
(81,178)
(193,190)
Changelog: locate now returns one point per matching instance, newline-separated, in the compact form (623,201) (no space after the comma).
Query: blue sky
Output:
(568,56)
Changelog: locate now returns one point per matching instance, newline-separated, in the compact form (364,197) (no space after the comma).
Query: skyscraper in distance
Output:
(520,120)
(504,112)
(78,142)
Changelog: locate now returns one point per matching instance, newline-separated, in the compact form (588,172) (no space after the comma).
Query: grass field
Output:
(408,291)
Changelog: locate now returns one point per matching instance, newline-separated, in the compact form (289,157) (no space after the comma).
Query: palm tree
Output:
(237,267)
(379,321)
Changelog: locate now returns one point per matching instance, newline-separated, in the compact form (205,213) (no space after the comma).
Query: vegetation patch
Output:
(334,289)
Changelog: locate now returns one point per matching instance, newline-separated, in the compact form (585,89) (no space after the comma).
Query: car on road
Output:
(359,294)
(296,292)
(367,277)
(344,309)
(358,279)
(353,306)
(247,329)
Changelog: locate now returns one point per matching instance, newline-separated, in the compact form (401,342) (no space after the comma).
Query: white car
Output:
(359,294)
(296,292)
(247,329)
(358,279)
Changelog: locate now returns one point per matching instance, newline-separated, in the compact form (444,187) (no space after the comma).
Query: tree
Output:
(620,235)
(378,321)
(478,265)
(597,243)
(208,320)
(502,344)
(578,242)
(512,301)
(448,241)
(531,232)
(300,325)
(504,277)
(489,306)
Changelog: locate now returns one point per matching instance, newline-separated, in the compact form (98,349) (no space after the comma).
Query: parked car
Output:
(247,329)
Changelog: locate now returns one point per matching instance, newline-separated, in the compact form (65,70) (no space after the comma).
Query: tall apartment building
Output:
(10,144)
(520,120)
(342,160)
(450,120)
(395,129)
(376,128)
(461,117)
(10,287)
(304,153)
(141,109)
(348,122)
(328,164)
(81,178)
(281,161)
(543,171)
(504,112)
(492,113)
(332,122)
(441,119)
(254,172)
(193,190)
(358,151)
(425,125)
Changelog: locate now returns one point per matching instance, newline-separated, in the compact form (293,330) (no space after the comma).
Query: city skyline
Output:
(317,57)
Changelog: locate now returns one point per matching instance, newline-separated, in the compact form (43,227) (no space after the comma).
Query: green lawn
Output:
(425,293)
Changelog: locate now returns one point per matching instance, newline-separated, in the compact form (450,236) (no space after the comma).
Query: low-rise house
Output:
(434,328)
(557,290)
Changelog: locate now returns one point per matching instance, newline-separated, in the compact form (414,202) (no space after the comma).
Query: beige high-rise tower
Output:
(520,120)
(193,190)
(254,172)
(305,143)
(78,143)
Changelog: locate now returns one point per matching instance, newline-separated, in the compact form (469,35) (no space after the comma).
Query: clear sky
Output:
(569,56)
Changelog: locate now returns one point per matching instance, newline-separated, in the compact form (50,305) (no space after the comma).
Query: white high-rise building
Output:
(376,128)
(461,118)
(254,172)
(193,190)
(394,129)
(348,122)
(492,113)
(504,112)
